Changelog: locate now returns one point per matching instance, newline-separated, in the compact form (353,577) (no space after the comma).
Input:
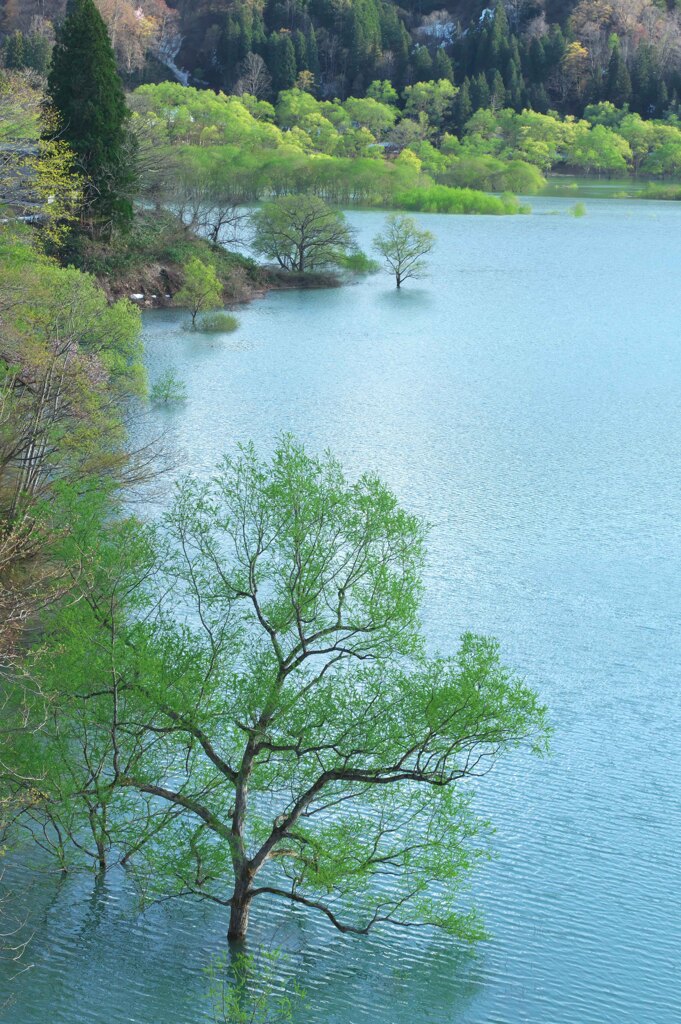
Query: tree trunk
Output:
(398,280)
(241,906)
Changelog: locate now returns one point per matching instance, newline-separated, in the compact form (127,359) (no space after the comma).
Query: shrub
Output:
(360,263)
(443,199)
(168,388)
(218,323)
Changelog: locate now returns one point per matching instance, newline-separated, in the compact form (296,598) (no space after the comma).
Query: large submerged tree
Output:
(256,712)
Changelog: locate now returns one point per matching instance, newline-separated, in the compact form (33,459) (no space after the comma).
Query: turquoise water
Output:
(526,399)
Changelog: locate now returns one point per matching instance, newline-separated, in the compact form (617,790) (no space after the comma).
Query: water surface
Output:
(526,399)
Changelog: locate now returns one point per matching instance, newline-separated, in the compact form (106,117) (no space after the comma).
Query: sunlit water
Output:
(526,399)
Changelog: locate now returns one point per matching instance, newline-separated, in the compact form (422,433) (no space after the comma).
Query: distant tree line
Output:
(520,54)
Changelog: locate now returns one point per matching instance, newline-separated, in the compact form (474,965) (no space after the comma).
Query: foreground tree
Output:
(259,707)
(87,94)
(404,246)
(201,290)
(301,233)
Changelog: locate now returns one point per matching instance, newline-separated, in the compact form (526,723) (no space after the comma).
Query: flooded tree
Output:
(266,720)
(404,246)
(201,290)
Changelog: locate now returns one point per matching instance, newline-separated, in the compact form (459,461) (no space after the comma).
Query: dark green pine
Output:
(86,90)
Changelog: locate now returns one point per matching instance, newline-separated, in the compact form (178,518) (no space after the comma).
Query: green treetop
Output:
(253,687)
(201,290)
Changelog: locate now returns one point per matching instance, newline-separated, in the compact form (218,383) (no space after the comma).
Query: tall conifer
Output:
(87,93)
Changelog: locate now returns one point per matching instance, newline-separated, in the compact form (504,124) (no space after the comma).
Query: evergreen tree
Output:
(13,52)
(554,49)
(513,81)
(422,64)
(229,49)
(662,104)
(618,82)
(401,53)
(480,94)
(499,41)
(463,108)
(282,61)
(536,64)
(37,53)
(312,52)
(364,41)
(442,66)
(644,81)
(300,47)
(86,91)
(539,99)
(497,91)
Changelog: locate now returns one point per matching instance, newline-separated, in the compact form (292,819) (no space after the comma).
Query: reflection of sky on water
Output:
(526,399)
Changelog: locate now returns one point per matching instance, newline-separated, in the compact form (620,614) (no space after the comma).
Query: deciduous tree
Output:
(201,290)
(404,247)
(301,233)
(262,712)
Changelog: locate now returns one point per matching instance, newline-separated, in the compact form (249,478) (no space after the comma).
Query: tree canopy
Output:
(301,233)
(242,705)
(404,247)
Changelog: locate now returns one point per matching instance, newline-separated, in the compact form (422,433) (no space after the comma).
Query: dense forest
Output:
(538,54)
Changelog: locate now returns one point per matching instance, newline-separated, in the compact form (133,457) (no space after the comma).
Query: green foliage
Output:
(86,92)
(441,199)
(168,388)
(307,156)
(301,233)
(323,752)
(27,52)
(70,362)
(359,263)
(404,246)
(201,290)
(578,210)
(434,99)
(244,990)
(218,323)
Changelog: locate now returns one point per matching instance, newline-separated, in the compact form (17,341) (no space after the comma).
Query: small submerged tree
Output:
(301,233)
(168,388)
(404,247)
(201,291)
(269,721)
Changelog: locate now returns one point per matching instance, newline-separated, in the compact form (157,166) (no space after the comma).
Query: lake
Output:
(526,399)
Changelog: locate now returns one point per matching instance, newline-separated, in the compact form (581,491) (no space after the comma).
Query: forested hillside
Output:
(543,54)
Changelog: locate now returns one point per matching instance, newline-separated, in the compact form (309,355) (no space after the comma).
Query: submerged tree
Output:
(201,290)
(404,246)
(262,714)
(86,91)
(168,387)
(301,233)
